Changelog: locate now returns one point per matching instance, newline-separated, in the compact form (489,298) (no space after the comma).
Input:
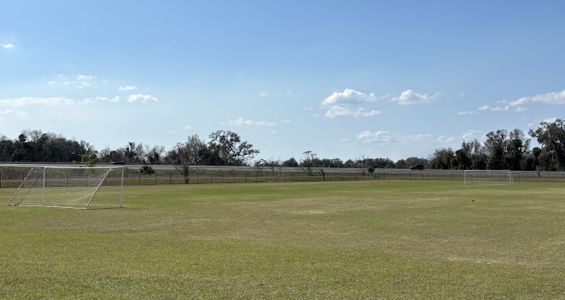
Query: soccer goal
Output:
(488,177)
(71,187)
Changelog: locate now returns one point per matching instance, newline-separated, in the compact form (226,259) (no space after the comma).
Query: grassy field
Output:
(379,239)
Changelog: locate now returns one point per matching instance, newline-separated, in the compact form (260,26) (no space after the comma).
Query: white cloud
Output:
(550,120)
(536,123)
(278,95)
(471,135)
(46,101)
(340,111)
(6,111)
(385,137)
(101,99)
(520,109)
(286,121)
(79,81)
(348,96)
(556,98)
(415,137)
(380,136)
(308,108)
(494,108)
(520,101)
(188,127)
(53,101)
(8,46)
(409,97)
(446,139)
(127,88)
(141,98)
(466,113)
(251,123)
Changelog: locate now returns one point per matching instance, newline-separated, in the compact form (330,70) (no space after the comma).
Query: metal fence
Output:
(12,175)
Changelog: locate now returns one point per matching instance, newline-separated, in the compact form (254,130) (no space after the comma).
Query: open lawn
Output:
(377,239)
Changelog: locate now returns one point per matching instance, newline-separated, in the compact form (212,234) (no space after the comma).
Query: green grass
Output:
(379,239)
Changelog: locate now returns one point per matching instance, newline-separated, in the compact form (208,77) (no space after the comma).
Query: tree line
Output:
(501,149)
(223,148)
(508,150)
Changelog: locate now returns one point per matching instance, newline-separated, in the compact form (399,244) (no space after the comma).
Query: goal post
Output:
(487,177)
(71,187)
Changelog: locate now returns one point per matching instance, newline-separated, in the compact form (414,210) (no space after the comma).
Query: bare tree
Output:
(308,162)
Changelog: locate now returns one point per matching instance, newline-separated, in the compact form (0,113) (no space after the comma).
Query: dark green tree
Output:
(291,162)
(227,148)
(443,159)
(551,135)
(496,148)
(517,148)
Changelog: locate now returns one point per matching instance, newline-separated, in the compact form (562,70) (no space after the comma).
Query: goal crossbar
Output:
(487,177)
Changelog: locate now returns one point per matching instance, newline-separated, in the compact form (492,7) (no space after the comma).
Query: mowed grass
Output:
(378,239)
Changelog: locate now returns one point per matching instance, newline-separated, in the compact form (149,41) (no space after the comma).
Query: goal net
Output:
(488,177)
(72,187)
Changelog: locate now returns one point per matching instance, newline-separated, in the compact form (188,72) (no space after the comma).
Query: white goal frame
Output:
(487,177)
(90,191)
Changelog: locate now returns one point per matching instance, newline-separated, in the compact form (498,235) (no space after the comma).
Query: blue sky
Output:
(341,78)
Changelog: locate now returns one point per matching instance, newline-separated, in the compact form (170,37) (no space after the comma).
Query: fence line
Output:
(11,176)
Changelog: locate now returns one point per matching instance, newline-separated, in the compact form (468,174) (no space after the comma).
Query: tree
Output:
(37,146)
(443,159)
(414,161)
(194,151)
(227,148)
(331,163)
(363,164)
(154,155)
(471,155)
(267,163)
(517,149)
(182,158)
(7,147)
(463,160)
(401,164)
(551,135)
(146,170)
(291,162)
(90,159)
(184,170)
(478,154)
(134,153)
(271,164)
(381,163)
(536,153)
(496,147)
(308,162)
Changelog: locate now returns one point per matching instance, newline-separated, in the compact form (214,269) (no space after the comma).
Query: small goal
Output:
(487,177)
(71,187)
